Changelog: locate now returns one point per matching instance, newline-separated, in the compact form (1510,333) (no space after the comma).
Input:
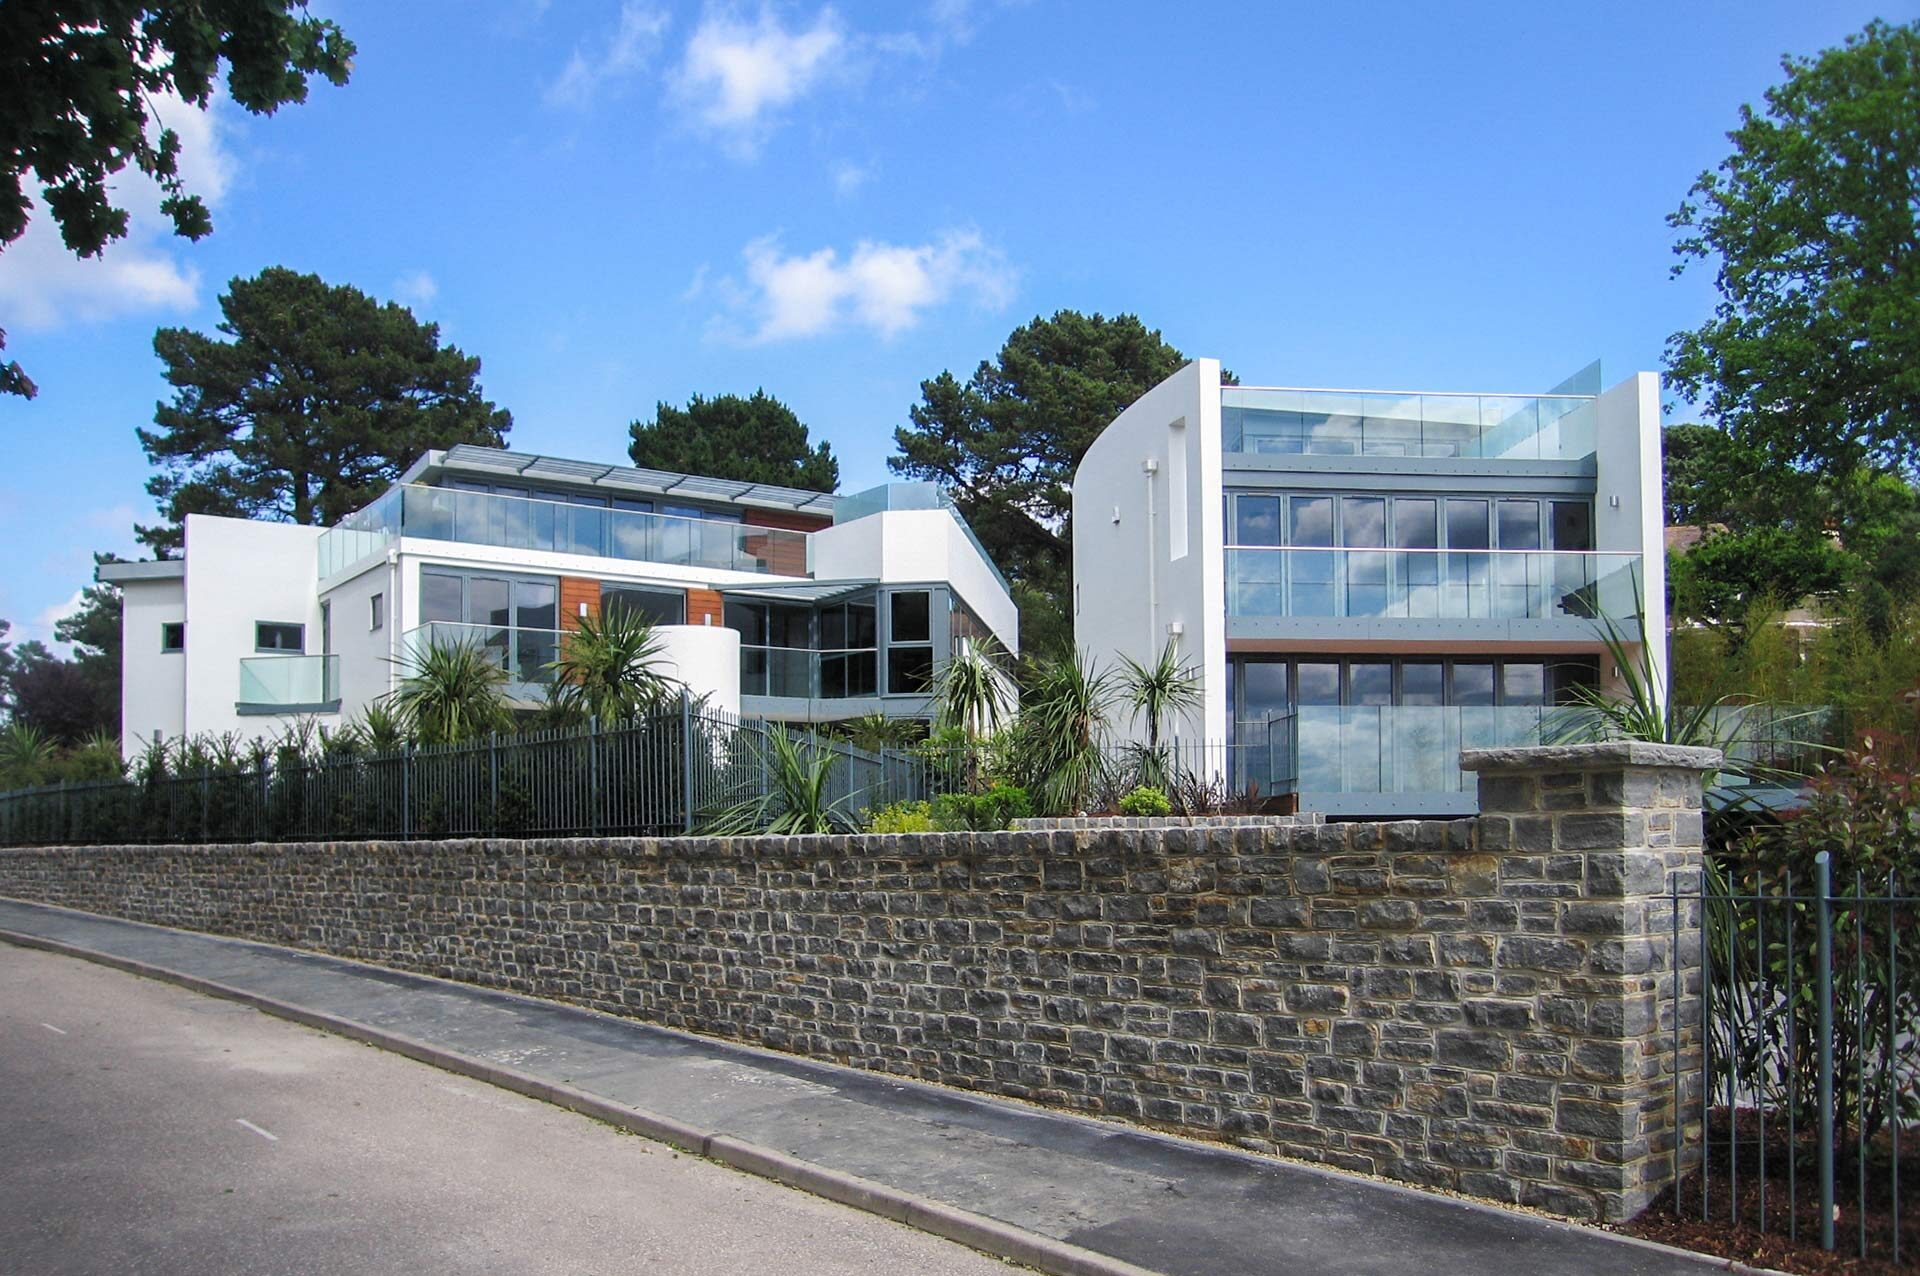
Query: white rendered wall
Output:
(897,547)
(1148,556)
(706,660)
(153,683)
(240,572)
(1629,503)
(367,669)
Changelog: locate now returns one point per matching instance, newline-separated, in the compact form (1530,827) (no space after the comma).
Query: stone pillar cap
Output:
(1590,757)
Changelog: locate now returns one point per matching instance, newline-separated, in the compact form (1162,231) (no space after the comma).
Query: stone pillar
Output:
(1592,840)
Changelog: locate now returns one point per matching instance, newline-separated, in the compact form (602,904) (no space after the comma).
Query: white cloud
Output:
(416,288)
(51,616)
(848,178)
(735,77)
(881,287)
(635,40)
(43,285)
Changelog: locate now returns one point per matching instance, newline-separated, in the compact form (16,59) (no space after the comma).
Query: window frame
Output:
(177,631)
(260,628)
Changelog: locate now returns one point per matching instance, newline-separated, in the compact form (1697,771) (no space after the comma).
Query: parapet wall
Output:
(1484,1005)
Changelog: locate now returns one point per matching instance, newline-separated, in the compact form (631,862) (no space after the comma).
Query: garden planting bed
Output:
(1729,1227)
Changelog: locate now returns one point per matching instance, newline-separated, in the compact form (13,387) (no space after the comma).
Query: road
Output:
(148,1130)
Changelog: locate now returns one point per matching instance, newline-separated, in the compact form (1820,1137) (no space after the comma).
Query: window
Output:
(376,611)
(514,619)
(655,606)
(909,642)
(272,636)
(173,635)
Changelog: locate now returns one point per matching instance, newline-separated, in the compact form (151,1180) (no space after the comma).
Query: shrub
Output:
(1146,800)
(902,817)
(986,812)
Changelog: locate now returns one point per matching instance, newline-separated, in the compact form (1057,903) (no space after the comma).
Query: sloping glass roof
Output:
(466,458)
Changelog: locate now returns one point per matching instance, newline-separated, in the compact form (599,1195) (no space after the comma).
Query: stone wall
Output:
(1484,1005)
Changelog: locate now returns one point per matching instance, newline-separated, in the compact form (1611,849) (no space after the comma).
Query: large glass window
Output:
(909,642)
(1466,579)
(655,606)
(1416,527)
(1310,587)
(515,619)
(272,636)
(1363,526)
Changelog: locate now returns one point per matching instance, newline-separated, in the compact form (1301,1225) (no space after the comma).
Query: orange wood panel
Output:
(575,590)
(792,520)
(704,607)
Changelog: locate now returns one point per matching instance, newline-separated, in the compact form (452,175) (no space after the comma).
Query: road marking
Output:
(50,1028)
(271,1138)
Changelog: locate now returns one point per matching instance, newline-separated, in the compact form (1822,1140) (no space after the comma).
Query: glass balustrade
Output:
(287,681)
(517,522)
(1552,427)
(520,522)
(526,654)
(805,674)
(1383,748)
(1430,584)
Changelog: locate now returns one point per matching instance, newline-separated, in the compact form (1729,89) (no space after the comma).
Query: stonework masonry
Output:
(1486,1005)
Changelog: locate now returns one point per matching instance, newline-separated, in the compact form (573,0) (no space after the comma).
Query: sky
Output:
(615,203)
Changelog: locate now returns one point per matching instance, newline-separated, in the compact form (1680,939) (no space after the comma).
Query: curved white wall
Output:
(707,659)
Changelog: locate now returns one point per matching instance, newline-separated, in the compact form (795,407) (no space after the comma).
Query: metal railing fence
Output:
(658,775)
(1810,1058)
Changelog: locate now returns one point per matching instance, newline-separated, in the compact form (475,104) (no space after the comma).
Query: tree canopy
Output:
(1811,360)
(1004,443)
(754,440)
(318,398)
(80,83)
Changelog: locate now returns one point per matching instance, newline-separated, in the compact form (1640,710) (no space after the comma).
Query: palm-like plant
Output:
(1065,716)
(1167,688)
(1643,708)
(971,692)
(609,668)
(26,755)
(796,798)
(452,691)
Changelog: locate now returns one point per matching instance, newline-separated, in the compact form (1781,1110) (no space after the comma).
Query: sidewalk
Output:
(1060,1192)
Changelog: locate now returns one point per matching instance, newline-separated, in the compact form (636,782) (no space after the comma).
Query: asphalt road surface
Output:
(145,1129)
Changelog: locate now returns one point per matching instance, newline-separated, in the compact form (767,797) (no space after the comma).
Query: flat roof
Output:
(122,573)
(495,463)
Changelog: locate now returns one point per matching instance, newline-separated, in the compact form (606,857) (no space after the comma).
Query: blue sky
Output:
(617,202)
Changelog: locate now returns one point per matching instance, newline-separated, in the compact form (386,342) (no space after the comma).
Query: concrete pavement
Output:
(1087,1196)
(148,1129)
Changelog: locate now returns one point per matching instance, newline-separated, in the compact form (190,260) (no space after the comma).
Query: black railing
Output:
(659,775)
(1810,1062)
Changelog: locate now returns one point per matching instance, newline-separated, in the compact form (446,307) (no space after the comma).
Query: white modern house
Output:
(1369,581)
(776,603)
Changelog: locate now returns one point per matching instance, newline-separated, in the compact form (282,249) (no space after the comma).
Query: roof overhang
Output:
(127,573)
(807,593)
(466,458)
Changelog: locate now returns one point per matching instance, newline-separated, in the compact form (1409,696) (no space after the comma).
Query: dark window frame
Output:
(173,637)
(262,629)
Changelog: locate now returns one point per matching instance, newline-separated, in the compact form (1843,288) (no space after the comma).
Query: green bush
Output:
(902,817)
(1146,800)
(986,812)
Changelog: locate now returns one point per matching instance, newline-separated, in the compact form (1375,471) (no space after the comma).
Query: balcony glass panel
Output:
(1278,421)
(571,526)
(289,680)
(1416,584)
(802,674)
(524,653)
(1403,748)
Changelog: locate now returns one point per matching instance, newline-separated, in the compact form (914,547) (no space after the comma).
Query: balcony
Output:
(288,684)
(804,674)
(1365,751)
(520,522)
(1429,584)
(1299,422)
(525,654)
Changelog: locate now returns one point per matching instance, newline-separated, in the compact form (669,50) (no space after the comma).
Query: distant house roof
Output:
(492,462)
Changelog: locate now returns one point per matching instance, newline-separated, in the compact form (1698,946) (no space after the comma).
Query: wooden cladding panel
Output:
(791,520)
(704,607)
(575,590)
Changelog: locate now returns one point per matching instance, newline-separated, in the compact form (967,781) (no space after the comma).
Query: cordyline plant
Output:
(609,668)
(796,799)
(452,692)
(1168,688)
